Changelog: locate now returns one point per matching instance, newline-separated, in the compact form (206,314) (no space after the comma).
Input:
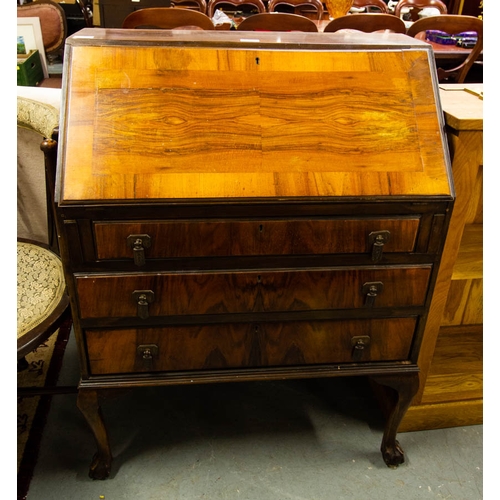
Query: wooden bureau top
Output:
(185,115)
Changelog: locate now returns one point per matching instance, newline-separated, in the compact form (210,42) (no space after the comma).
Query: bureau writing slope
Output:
(249,206)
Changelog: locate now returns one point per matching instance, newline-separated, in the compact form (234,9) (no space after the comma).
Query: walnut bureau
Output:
(257,207)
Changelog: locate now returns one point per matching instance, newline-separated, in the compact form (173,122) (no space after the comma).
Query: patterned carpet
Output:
(43,370)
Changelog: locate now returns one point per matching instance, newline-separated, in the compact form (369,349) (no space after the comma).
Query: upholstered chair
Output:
(42,301)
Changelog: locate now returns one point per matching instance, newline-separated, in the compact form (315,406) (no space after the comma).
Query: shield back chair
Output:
(312,9)
(367,23)
(372,5)
(42,300)
(167,18)
(199,5)
(416,6)
(229,6)
(277,21)
(452,24)
(52,24)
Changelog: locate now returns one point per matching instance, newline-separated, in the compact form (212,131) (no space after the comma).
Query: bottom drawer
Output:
(246,345)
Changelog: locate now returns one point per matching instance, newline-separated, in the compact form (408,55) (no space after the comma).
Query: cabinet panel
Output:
(247,292)
(260,237)
(248,345)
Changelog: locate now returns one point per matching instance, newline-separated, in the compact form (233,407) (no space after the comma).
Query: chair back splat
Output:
(378,5)
(453,25)
(416,6)
(257,6)
(277,21)
(167,18)
(367,23)
(308,8)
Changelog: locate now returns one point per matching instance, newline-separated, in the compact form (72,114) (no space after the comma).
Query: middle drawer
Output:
(167,294)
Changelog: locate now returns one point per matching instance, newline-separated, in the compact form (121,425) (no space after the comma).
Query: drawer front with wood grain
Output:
(222,238)
(246,345)
(167,294)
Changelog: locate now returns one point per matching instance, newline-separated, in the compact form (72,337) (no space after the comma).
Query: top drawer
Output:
(223,238)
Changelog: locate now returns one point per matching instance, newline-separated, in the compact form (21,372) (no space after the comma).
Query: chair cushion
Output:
(40,285)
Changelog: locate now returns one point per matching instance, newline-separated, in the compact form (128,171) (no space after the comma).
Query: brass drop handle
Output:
(372,290)
(147,352)
(138,242)
(360,346)
(143,298)
(377,239)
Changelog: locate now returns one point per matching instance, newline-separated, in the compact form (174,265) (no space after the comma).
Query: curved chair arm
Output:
(38,116)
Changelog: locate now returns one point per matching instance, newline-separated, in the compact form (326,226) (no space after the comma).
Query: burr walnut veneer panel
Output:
(219,292)
(199,347)
(219,122)
(261,237)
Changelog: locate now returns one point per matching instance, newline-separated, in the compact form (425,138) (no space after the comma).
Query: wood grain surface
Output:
(244,292)
(260,237)
(217,122)
(248,345)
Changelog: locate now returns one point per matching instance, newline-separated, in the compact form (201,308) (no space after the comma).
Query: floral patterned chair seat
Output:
(42,301)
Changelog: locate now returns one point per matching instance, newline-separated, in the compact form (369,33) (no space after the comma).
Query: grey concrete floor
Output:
(293,440)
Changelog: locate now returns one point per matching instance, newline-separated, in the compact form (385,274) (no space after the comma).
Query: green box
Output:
(29,69)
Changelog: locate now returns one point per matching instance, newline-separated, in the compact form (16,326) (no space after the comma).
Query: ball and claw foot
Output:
(393,455)
(100,468)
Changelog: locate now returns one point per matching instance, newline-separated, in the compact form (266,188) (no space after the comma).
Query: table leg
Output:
(88,404)
(405,387)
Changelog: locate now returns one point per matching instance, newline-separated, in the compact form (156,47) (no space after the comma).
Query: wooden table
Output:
(447,53)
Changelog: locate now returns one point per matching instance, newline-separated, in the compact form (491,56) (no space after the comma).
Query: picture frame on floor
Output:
(30,30)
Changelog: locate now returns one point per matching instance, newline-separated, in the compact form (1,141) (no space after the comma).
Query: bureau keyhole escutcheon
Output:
(143,298)
(138,243)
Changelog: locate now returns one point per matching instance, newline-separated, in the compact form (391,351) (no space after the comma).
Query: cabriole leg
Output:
(405,387)
(88,404)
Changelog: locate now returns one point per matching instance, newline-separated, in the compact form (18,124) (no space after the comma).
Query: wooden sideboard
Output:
(451,359)
(233,209)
